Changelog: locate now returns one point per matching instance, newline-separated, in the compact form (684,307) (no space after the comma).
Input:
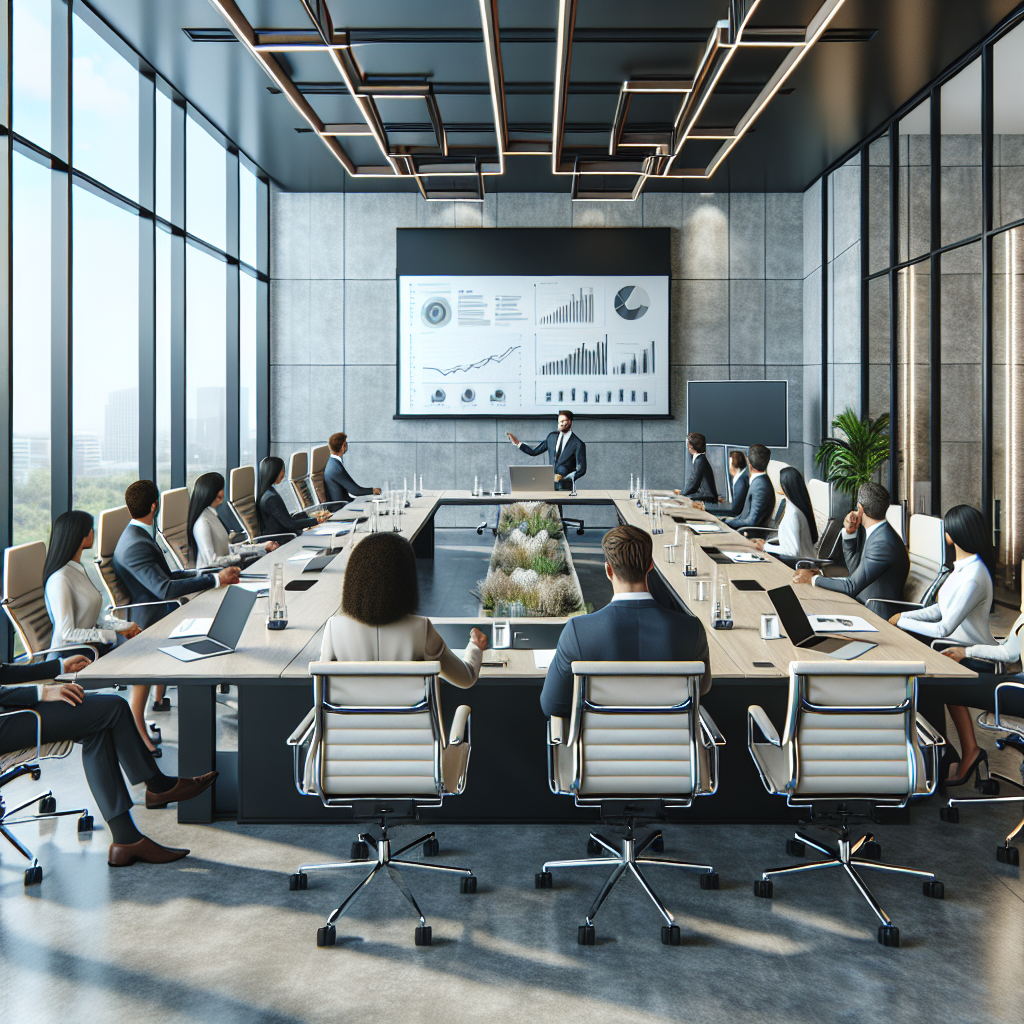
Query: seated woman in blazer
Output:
(208,542)
(377,620)
(798,533)
(271,510)
(960,612)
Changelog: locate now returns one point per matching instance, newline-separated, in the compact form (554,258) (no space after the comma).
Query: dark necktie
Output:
(558,446)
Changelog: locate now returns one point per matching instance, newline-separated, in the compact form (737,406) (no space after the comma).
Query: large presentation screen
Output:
(529,324)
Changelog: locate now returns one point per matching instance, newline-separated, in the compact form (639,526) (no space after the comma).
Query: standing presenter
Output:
(566,452)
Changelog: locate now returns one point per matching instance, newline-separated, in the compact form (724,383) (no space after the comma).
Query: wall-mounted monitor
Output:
(739,412)
(522,322)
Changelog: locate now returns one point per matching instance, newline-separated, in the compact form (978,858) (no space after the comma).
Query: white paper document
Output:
(542,659)
(704,528)
(257,586)
(744,556)
(841,624)
(191,627)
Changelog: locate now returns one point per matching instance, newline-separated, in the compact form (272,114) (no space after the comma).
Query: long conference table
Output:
(508,768)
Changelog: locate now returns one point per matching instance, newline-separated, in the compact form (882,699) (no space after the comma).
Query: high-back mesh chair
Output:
(317,464)
(852,742)
(374,744)
(1008,721)
(638,742)
(16,763)
(25,603)
(172,525)
(928,569)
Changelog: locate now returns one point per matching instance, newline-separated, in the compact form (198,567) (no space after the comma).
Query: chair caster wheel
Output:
(543,880)
(162,705)
(871,851)
(297,882)
(934,890)
(594,848)
(431,848)
(796,848)
(658,845)
(326,936)
(764,888)
(671,935)
(1008,855)
(586,936)
(579,532)
(709,880)
(467,884)
(888,935)
(988,787)
(33,876)
(423,935)
(47,805)
(950,814)
(359,851)
(224,688)
(85,824)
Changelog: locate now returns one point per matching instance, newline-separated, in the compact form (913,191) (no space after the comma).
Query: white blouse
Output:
(962,609)
(1003,654)
(794,540)
(212,546)
(75,608)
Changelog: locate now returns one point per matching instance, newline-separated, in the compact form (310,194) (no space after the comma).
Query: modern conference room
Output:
(512,511)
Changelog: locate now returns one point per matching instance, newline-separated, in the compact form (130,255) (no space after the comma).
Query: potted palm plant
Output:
(856,456)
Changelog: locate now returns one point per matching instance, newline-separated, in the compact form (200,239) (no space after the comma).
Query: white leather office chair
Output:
(317,464)
(894,517)
(16,763)
(928,569)
(852,741)
(172,526)
(242,501)
(637,742)
(1008,718)
(374,743)
(774,471)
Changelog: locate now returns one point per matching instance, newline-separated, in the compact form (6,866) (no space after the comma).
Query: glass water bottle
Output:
(721,609)
(277,607)
(689,558)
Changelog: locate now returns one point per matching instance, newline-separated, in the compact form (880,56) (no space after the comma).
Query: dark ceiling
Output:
(876,55)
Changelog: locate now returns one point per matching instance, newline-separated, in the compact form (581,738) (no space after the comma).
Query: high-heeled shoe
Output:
(965,772)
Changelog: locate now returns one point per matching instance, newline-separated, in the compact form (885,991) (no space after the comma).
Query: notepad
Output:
(843,623)
(744,556)
(191,627)
(704,528)
(542,659)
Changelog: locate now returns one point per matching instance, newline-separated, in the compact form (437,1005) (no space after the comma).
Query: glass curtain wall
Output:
(117,374)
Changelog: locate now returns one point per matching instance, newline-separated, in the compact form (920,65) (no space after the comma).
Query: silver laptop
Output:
(526,479)
(225,629)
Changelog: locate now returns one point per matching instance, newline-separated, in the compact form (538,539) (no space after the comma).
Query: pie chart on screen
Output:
(631,302)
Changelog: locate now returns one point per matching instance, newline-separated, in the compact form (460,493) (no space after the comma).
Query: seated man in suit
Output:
(874,554)
(566,452)
(633,627)
(103,724)
(142,569)
(339,485)
(701,480)
(760,501)
(740,483)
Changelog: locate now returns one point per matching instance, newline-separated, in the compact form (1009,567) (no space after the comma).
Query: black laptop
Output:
(801,633)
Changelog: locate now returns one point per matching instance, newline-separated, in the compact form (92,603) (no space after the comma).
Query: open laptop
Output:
(800,631)
(526,479)
(225,629)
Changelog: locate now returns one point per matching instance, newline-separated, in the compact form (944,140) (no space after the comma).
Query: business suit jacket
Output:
(275,517)
(758,505)
(339,485)
(571,463)
(701,481)
(14,679)
(141,567)
(878,566)
(622,631)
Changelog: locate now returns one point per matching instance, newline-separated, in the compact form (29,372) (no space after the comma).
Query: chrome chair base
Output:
(844,857)
(34,872)
(387,860)
(1005,854)
(628,859)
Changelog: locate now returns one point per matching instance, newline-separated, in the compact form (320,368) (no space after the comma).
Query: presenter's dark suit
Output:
(627,630)
(339,485)
(102,723)
(878,566)
(571,461)
(700,483)
(140,565)
(758,505)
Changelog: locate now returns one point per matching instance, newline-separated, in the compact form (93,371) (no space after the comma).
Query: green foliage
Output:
(854,458)
(549,566)
(536,516)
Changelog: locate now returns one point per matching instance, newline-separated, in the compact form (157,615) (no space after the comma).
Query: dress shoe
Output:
(183,789)
(121,855)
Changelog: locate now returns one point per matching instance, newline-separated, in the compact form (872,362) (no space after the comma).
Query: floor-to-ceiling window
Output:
(133,310)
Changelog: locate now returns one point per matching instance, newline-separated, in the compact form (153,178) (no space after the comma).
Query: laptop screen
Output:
(232,616)
(794,619)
